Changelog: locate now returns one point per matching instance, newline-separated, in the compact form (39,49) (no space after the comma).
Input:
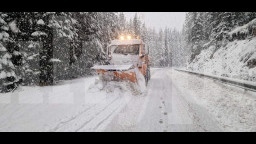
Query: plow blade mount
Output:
(116,72)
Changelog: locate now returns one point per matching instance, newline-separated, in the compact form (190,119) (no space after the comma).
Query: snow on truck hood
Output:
(113,67)
(120,59)
(120,62)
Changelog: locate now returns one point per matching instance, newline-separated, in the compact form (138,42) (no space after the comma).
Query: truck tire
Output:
(147,76)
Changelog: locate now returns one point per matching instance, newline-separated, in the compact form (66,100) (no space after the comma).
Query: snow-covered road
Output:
(173,101)
(162,109)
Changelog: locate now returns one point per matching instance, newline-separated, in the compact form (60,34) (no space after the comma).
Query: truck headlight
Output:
(121,37)
(129,37)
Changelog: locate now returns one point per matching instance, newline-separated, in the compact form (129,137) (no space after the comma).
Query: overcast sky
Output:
(160,19)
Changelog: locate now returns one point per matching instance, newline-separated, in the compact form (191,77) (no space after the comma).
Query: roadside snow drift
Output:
(84,104)
(232,107)
(235,60)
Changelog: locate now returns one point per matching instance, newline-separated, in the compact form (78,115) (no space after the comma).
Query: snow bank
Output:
(235,60)
(232,107)
(240,83)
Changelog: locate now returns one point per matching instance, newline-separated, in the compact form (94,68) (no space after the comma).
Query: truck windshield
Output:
(127,49)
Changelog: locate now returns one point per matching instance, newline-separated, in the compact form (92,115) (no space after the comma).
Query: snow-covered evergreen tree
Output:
(166,48)
(8,78)
(136,26)
(122,23)
(212,28)
(144,32)
(42,43)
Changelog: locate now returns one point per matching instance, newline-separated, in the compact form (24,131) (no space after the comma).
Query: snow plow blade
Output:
(116,72)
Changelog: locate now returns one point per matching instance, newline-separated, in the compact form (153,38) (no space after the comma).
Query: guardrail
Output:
(240,83)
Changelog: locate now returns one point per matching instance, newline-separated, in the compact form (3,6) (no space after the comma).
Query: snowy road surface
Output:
(173,101)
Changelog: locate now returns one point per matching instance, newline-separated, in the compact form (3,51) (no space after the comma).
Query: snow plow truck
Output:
(128,61)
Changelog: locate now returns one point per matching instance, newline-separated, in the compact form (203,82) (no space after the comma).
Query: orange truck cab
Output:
(125,55)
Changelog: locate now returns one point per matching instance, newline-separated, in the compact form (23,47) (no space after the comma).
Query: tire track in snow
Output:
(66,121)
(84,118)
(101,120)
(166,110)
(63,122)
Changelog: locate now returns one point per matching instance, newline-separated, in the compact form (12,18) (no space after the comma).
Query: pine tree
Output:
(189,22)
(136,26)
(122,23)
(144,32)
(7,74)
(8,78)
(166,47)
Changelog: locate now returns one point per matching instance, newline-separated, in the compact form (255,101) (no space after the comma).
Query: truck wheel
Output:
(147,76)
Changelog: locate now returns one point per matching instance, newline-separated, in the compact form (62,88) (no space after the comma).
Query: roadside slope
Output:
(235,60)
